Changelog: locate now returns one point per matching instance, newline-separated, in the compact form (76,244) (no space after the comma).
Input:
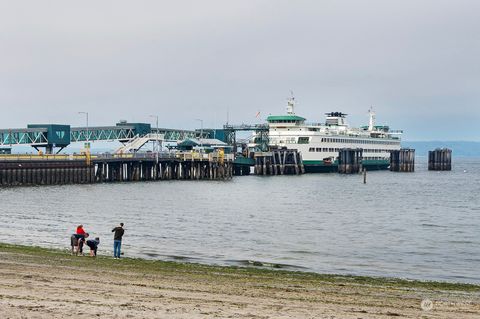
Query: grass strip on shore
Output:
(62,258)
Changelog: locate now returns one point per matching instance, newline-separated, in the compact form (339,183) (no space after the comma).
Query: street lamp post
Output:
(201,131)
(157,142)
(86,114)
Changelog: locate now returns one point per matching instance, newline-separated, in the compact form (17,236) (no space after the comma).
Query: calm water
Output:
(416,225)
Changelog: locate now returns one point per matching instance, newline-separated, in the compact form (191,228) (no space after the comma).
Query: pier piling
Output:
(440,160)
(279,162)
(350,161)
(402,160)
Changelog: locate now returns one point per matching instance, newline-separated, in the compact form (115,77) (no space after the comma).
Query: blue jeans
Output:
(117,244)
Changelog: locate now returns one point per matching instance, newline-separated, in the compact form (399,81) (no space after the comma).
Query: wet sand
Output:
(38,283)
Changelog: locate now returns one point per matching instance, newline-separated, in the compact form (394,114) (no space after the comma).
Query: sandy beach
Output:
(39,283)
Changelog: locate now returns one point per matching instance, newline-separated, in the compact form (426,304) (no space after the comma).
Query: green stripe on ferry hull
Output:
(313,168)
(321,167)
(375,165)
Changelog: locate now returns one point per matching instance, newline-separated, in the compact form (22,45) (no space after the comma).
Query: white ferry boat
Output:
(319,143)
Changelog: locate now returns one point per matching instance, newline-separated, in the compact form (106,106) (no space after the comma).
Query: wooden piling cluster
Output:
(350,160)
(279,162)
(46,173)
(174,169)
(16,172)
(402,160)
(440,160)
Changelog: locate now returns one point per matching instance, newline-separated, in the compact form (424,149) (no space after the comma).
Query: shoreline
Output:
(260,266)
(139,261)
(44,283)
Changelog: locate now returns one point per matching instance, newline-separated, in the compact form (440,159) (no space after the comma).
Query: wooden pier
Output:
(41,172)
(279,162)
(350,161)
(86,169)
(402,160)
(440,160)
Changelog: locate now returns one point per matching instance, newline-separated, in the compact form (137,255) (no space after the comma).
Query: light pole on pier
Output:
(86,114)
(201,131)
(157,142)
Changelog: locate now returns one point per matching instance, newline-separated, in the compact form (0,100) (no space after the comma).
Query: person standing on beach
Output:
(117,240)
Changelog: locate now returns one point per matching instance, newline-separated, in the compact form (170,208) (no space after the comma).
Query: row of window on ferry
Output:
(355,141)
(334,149)
(306,140)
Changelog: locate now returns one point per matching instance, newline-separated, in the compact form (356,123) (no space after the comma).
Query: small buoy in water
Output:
(464,170)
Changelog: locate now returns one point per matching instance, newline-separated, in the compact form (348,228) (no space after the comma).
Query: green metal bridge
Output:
(51,136)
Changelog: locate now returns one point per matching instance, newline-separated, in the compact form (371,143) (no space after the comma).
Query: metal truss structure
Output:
(102,133)
(261,132)
(173,135)
(26,136)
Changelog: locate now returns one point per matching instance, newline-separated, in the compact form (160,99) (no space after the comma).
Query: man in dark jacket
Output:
(117,240)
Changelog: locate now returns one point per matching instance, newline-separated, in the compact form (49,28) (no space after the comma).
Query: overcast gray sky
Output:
(416,62)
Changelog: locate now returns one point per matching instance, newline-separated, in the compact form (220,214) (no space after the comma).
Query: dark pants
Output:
(92,246)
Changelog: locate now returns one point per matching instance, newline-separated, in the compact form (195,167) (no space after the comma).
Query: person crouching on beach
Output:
(74,244)
(77,243)
(93,245)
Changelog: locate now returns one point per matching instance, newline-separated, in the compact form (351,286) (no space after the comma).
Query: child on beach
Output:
(93,245)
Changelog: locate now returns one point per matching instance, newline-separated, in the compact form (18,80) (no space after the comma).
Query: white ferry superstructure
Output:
(319,143)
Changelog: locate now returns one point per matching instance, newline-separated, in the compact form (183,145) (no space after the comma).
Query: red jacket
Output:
(80,231)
